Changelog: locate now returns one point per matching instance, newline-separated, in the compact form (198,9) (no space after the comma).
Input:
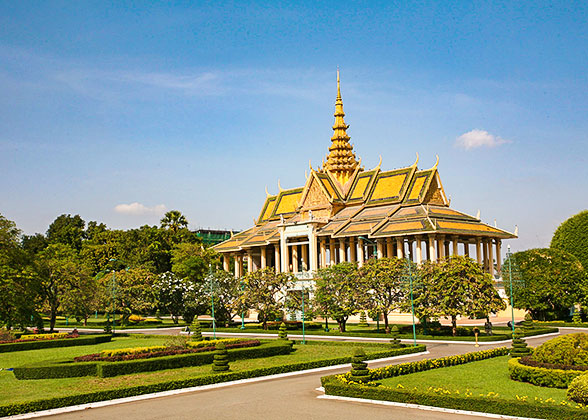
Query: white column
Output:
(498,256)
(332,257)
(389,248)
(419,253)
(466,248)
(479,251)
(236,266)
(455,243)
(352,249)
(249,262)
(313,252)
(400,247)
(304,257)
(342,250)
(226,264)
(360,257)
(277,257)
(380,248)
(295,258)
(432,255)
(490,258)
(263,257)
(441,247)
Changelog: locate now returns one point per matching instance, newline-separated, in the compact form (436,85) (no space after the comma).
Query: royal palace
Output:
(346,213)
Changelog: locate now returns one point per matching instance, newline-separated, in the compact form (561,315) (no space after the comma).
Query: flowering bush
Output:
(34,337)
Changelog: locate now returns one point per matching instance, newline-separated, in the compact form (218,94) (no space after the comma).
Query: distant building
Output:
(345,213)
(212,237)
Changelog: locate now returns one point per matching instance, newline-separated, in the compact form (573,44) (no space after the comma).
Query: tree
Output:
(59,270)
(337,294)
(551,281)
(172,293)
(133,291)
(226,291)
(81,299)
(383,285)
(572,237)
(192,261)
(174,221)
(67,230)
(464,289)
(264,291)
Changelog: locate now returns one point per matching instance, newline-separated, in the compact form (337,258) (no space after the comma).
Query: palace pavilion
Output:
(346,213)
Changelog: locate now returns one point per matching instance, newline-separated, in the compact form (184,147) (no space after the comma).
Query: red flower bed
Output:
(96,357)
(529,361)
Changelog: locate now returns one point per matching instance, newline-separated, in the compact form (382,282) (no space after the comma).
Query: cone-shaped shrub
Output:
(282,332)
(577,317)
(527,323)
(359,370)
(519,346)
(362,319)
(220,362)
(395,337)
(196,330)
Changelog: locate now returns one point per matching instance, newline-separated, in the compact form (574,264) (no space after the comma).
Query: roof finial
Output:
(338,85)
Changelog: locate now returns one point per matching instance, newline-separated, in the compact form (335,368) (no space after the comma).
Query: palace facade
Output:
(346,213)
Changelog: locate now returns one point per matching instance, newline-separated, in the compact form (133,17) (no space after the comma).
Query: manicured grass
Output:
(14,391)
(484,378)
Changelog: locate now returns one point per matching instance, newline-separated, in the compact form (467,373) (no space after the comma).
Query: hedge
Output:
(69,369)
(45,344)
(50,403)
(578,389)
(334,386)
(552,378)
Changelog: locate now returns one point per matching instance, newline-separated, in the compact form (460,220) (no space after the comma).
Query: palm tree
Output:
(174,221)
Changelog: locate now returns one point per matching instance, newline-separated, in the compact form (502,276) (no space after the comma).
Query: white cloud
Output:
(478,138)
(138,209)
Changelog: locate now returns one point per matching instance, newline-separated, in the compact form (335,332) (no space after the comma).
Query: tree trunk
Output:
(175,318)
(386,325)
(85,320)
(454,325)
(341,325)
(52,319)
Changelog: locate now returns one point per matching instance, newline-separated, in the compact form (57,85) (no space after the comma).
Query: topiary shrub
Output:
(282,334)
(395,337)
(519,346)
(196,331)
(528,323)
(577,316)
(362,320)
(220,363)
(359,370)
(578,389)
(569,349)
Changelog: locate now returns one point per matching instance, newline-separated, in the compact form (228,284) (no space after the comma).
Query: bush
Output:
(359,371)
(135,319)
(44,344)
(552,378)
(220,362)
(395,340)
(211,343)
(134,350)
(519,346)
(196,330)
(283,335)
(572,236)
(578,389)
(362,319)
(569,349)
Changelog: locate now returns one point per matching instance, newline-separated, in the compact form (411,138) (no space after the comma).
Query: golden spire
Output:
(341,160)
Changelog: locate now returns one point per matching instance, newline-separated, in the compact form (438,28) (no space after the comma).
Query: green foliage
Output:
(519,346)
(569,349)
(383,284)
(196,331)
(540,376)
(578,389)
(67,230)
(572,237)
(263,292)
(362,319)
(359,371)
(283,334)
(45,344)
(173,294)
(133,290)
(220,362)
(395,337)
(337,295)
(528,323)
(174,221)
(577,316)
(550,282)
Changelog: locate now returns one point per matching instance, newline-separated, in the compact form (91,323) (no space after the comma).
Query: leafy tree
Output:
(67,230)
(33,244)
(18,285)
(425,295)
(337,294)
(572,237)
(383,285)
(174,220)
(133,291)
(551,281)
(82,298)
(192,260)
(59,270)
(464,289)
(172,293)
(264,291)
(226,291)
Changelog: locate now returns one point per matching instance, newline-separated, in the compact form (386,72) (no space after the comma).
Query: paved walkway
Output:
(292,397)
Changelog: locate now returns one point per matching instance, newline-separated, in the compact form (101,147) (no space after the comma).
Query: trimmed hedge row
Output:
(578,389)
(334,386)
(552,378)
(69,369)
(45,344)
(50,403)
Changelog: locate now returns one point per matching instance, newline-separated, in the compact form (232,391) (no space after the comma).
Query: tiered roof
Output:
(344,200)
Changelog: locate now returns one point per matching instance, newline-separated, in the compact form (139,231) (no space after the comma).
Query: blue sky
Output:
(119,110)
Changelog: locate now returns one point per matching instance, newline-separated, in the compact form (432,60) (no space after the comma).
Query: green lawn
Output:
(13,390)
(484,378)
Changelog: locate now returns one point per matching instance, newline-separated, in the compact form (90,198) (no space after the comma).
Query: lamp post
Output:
(212,300)
(242,311)
(411,301)
(113,296)
(509,259)
(303,329)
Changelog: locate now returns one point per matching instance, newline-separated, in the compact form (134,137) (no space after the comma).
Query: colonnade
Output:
(310,253)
